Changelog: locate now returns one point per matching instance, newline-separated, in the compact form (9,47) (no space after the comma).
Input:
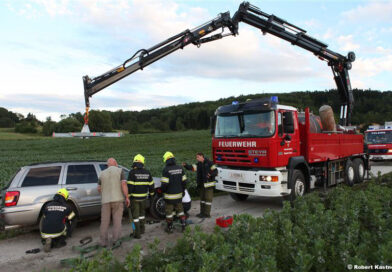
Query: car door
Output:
(81,180)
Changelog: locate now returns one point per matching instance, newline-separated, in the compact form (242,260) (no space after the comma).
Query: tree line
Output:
(370,107)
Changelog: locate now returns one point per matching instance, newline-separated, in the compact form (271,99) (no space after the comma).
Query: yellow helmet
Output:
(167,156)
(139,158)
(63,192)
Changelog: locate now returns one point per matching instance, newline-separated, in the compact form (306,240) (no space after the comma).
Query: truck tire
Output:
(349,173)
(298,185)
(238,197)
(359,170)
(157,207)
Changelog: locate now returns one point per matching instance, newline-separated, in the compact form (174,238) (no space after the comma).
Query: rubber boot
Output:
(201,214)
(142,226)
(169,228)
(207,211)
(48,244)
(183,223)
(137,230)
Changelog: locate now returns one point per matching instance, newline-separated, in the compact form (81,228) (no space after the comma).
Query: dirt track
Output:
(13,257)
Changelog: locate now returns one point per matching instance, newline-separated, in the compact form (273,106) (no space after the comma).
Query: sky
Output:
(46,46)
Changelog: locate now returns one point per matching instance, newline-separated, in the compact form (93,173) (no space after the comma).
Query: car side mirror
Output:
(288,122)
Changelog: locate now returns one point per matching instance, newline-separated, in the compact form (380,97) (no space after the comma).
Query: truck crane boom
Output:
(145,57)
(280,28)
(248,14)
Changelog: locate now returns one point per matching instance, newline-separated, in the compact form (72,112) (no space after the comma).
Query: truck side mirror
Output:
(212,124)
(288,122)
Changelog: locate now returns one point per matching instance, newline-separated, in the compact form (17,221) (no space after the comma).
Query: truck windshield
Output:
(378,137)
(260,124)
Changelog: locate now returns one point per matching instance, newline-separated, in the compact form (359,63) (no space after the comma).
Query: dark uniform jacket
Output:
(203,169)
(173,182)
(140,182)
(55,215)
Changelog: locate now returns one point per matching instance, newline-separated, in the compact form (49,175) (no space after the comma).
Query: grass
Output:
(9,134)
(20,150)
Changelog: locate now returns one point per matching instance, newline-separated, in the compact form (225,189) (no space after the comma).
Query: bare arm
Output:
(125,191)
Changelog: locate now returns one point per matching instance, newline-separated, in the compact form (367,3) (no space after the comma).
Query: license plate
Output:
(236,175)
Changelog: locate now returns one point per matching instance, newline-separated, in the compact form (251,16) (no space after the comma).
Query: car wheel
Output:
(359,170)
(74,221)
(238,197)
(349,173)
(157,208)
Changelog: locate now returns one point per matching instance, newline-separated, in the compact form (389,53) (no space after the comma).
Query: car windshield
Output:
(261,124)
(378,137)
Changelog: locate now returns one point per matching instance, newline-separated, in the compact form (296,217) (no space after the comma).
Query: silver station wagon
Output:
(33,186)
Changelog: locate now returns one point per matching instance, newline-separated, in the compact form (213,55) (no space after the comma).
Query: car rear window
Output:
(78,174)
(42,176)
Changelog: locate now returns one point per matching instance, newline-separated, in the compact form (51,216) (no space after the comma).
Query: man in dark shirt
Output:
(206,173)
(140,183)
(173,186)
(56,221)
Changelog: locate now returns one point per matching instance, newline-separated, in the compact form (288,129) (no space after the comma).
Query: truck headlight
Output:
(389,150)
(269,178)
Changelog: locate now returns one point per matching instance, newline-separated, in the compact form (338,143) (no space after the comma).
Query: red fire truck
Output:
(379,142)
(266,149)
(261,147)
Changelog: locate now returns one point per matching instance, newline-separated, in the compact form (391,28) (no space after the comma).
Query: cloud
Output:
(373,12)
(369,67)
(108,32)
(347,44)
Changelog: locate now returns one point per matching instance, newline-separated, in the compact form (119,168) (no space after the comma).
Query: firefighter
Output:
(173,186)
(56,222)
(206,173)
(140,183)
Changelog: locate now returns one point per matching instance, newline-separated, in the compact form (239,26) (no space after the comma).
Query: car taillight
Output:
(159,190)
(11,198)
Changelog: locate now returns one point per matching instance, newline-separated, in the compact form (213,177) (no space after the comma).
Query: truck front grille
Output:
(230,155)
(230,185)
(378,151)
(246,187)
(243,187)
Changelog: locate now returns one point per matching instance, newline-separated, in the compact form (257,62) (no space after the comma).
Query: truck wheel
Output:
(349,173)
(238,197)
(157,208)
(298,185)
(359,170)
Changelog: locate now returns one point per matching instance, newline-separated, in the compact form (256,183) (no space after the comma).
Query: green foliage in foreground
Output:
(349,226)
(184,145)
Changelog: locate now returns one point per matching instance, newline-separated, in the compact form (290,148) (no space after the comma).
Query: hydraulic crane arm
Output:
(145,57)
(280,28)
(251,15)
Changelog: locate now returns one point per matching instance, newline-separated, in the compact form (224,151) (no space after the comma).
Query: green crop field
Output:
(17,151)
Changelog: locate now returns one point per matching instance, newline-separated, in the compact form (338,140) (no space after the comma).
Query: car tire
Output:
(238,197)
(75,220)
(157,207)
(349,173)
(359,170)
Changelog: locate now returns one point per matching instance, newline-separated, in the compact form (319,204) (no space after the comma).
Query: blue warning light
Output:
(274,99)
(235,103)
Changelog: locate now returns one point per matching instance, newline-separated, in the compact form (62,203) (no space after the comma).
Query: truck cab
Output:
(252,145)
(379,142)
